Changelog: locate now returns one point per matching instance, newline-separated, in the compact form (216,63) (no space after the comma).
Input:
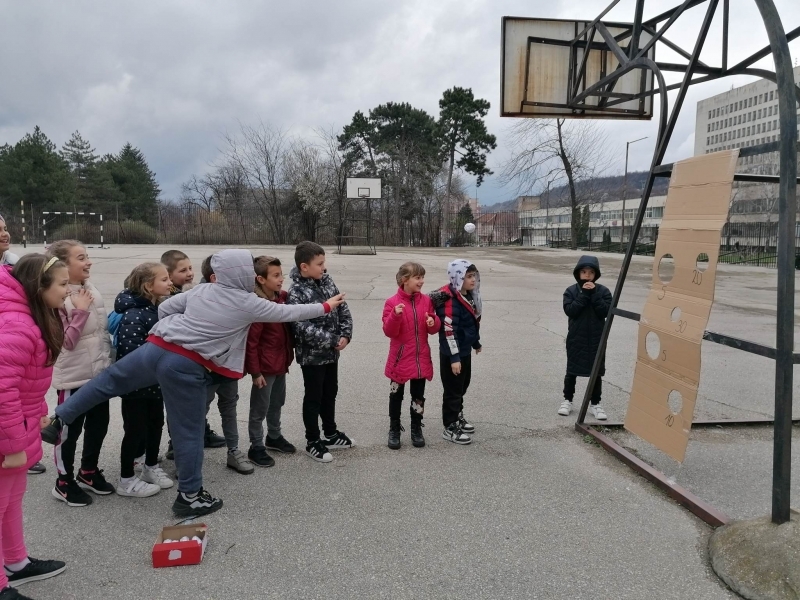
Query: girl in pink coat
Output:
(408,319)
(30,340)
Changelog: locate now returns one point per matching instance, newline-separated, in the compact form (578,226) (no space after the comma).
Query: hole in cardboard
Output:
(666,268)
(652,344)
(675,402)
(702,261)
(675,314)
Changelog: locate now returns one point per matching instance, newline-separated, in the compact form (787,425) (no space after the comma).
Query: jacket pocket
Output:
(399,355)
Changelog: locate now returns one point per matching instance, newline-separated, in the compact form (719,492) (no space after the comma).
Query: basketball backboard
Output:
(542,58)
(364,188)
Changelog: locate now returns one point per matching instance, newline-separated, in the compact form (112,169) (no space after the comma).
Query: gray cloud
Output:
(172,76)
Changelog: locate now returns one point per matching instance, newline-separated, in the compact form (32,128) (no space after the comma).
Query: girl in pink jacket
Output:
(408,319)
(30,340)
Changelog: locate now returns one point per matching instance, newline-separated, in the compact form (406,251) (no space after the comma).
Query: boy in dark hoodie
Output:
(458,306)
(586,304)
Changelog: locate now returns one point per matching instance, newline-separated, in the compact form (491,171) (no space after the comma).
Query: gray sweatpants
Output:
(267,402)
(228,393)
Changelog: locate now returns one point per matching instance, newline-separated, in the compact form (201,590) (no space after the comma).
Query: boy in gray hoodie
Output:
(200,339)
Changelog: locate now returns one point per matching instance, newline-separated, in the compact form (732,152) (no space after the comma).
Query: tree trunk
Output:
(573,197)
(451,166)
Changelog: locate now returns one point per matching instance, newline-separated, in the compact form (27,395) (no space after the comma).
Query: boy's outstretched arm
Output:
(575,303)
(306,332)
(172,305)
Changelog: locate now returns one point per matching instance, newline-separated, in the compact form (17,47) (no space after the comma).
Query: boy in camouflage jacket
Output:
(318,343)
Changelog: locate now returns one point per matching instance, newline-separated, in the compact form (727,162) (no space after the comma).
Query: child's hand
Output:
(44,422)
(82,299)
(588,285)
(13,461)
(429,320)
(259,381)
(343,341)
(478,350)
(456,367)
(335,301)
(398,310)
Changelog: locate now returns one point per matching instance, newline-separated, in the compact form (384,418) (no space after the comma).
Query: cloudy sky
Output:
(172,76)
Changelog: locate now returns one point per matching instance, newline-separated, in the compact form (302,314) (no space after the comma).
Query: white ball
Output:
(469,227)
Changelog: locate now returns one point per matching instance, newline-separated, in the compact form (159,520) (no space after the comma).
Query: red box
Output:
(176,554)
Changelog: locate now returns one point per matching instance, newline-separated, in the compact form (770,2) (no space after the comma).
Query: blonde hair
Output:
(61,248)
(140,277)
(407,271)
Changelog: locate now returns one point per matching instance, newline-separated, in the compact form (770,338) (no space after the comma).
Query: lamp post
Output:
(625,187)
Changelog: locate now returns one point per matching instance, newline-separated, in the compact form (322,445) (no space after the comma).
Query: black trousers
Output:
(455,386)
(569,388)
(94,424)
(417,408)
(321,386)
(143,422)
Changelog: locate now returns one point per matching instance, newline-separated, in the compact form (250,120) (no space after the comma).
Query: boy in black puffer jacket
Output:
(586,304)
(318,343)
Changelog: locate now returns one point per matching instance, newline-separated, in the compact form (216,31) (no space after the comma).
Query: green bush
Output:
(124,232)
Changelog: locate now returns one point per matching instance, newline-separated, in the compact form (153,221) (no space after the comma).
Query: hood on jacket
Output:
(456,272)
(234,268)
(12,294)
(587,261)
(126,300)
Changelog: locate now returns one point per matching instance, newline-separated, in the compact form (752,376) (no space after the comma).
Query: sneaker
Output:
(136,488)
(195,505)
(394,434)
(52,432)
(258,456)
(464,424)
(565,408)
(453,433)
(157,476)
(417,439)
(318,452)
(212,438)
(337,440)
(170,455)
(36,570)
(239,463)
(36,469)
(596,410)
(9,593)
(281,445)
(138,463)
(69,492)
(94,481)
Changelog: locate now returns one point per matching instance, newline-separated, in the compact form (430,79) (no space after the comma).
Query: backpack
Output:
(114,319)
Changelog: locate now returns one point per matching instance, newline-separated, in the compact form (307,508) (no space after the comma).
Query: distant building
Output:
(497,228)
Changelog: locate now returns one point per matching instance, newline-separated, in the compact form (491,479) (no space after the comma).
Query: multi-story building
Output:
(741,117)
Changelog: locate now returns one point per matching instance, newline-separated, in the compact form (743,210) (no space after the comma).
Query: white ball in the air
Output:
(469,227)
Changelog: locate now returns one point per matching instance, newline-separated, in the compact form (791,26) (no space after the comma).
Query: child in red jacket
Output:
(408,319)
(269,354)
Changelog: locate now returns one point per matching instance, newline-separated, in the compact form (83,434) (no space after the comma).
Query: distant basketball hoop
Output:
(355,234)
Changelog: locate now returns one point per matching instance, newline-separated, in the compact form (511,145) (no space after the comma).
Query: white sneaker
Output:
(136,488)
(597,412)
(565,408)
(138,463)
(157,476)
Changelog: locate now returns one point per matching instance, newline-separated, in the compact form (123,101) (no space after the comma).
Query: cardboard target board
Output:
(675,316)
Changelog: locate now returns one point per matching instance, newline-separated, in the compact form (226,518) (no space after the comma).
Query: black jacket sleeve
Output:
(575,300)
(601,301)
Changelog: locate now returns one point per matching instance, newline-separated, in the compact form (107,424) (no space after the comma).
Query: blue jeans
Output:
(183,384)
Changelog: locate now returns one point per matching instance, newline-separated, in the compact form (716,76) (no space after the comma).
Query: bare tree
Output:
(560,151)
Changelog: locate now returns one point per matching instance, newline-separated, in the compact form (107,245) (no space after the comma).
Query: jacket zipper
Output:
(416,336)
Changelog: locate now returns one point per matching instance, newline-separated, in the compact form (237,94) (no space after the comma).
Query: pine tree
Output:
(82,161)
(136,189)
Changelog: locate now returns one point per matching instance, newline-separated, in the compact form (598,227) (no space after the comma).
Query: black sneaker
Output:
(453,433)
(52,433)
(318,452)
(212,438)
(36,570)
(36,469)
(259,457)
(465,425)
(170,455)
(9,593)
(93,481)
(417,439)
(281,445)
(197,505)
(70,493)
(337,441)
(394,434)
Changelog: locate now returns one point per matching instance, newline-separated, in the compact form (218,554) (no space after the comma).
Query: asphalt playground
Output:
(530,510)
